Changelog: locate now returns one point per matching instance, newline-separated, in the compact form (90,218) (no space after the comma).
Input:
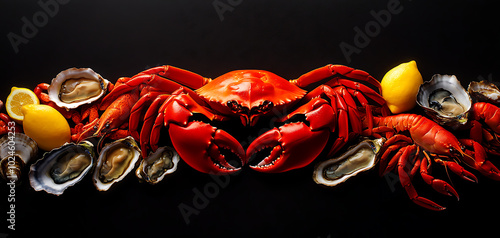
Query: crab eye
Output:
(233,105)
(266,106)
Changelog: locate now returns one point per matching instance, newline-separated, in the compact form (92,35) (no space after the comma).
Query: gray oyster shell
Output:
(484,92)
(16,151)
(357,159)
(157,165)
(74,87)
(62,167)
(445,100)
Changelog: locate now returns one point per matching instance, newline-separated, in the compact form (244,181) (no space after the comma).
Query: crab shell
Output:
(451,85)
(94,88)
(250,93)
(357,159)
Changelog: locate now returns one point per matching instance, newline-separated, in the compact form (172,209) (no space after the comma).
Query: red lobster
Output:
(487,135)
(190,106)
(425,143)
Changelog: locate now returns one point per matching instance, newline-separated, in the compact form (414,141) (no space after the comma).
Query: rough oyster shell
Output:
(62,167)
(484,92)
(116,160)
(445,100)
(15,152)
(158,164)
(359,158)
(74,87)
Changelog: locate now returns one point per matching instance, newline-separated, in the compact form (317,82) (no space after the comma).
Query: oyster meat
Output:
(116,160)
(62,167)
(445,100)
(74,87)
(484,92)
(158,164)
(15,152)
(445,103)
(359,158)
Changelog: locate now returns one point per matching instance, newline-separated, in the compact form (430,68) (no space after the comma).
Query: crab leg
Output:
(136,112)
(344,114)
(330,71)
(163,78)
(182,76)
(149,121)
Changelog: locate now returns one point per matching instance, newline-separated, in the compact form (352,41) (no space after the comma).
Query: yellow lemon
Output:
(400,87)
(46,126)
(17,98)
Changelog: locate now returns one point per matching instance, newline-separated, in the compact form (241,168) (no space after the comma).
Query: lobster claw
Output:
(203,151)
(293,145)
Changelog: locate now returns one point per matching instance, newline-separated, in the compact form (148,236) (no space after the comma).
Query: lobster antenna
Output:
(448,174)
(99,143)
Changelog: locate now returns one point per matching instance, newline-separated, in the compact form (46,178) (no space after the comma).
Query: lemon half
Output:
(17,98)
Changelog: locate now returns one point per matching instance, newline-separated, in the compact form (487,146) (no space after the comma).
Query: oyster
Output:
(484,92)
(74,87)
(116,160)
(445,100)
(359,158)
(15,152)
(62,167)
(158,164)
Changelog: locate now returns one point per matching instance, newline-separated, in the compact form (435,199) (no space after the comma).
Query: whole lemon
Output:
(400,87)
(46,126)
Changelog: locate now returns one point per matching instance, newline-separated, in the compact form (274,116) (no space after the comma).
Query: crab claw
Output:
(293,146)
(203,151)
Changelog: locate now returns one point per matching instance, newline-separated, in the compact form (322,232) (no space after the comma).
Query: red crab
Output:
(195,110)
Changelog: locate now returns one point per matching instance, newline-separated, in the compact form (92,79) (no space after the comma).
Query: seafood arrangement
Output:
(330,109)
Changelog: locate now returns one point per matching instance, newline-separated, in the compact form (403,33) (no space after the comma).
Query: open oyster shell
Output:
(74,87)
(16,151)
(359,158)
(445,100)
(158,164)
(116,160)
(62,167)
(484,92)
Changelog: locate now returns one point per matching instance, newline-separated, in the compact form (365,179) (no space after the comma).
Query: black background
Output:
(289,38)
